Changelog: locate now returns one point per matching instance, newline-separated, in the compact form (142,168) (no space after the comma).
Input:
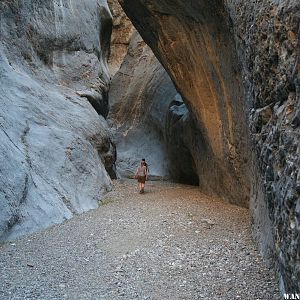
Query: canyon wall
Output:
(268,45)
(234,130)
(139,97)
(235,63)
(55,143)
(149,118)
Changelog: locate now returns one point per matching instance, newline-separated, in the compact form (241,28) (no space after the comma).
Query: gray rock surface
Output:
(139,96)
(149,118)
(236,64)
(269,49)
(54,146)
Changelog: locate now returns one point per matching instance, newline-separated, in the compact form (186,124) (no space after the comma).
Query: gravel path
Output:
(170,243)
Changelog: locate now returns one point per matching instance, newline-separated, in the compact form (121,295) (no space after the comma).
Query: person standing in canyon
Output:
(141,175)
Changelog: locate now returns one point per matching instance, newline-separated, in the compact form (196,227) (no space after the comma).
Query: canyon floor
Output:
(170,243)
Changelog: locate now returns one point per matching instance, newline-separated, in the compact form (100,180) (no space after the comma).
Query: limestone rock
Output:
(54,146)
(268,48)
(210,87)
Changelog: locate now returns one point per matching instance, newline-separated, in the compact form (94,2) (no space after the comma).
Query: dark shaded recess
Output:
(109,161)
(107,152)
(99,102)
(182,167)
(104,105)
(105,31)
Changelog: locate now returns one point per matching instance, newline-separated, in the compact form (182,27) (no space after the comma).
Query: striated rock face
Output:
(269,48)
(54,84)
(236,65)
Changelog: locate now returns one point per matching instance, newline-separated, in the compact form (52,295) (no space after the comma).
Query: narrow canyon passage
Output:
(208,92)
(170,243)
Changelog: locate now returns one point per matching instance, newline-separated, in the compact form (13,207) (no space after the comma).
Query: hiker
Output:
(142,175)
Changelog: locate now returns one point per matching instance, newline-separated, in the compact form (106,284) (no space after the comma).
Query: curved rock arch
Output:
(198,51)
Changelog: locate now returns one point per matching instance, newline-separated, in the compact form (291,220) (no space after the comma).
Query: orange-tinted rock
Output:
(203,63)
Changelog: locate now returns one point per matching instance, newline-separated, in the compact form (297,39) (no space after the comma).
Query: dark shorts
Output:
(141,179)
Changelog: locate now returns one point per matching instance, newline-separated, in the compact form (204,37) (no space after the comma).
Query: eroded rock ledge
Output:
(210,87)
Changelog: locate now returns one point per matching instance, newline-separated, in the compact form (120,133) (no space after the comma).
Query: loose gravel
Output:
(170,243)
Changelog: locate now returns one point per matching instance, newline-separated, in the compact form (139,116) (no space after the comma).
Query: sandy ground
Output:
(170,243)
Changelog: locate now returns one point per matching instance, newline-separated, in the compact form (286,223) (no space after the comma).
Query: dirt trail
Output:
(170,243)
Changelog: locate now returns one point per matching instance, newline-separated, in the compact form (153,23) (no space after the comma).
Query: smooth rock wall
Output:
(54,145)
(122,31)
(139,97)
(149,118)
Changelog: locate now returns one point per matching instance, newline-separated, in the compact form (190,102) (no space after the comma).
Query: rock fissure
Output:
(24,141)
(25,190)
(10,139)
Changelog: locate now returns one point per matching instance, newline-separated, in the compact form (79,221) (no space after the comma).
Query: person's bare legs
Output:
(141,187)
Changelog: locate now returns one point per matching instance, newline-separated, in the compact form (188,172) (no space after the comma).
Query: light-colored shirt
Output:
(141,171)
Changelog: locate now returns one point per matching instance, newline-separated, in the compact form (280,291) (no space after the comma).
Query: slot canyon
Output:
(206,91)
